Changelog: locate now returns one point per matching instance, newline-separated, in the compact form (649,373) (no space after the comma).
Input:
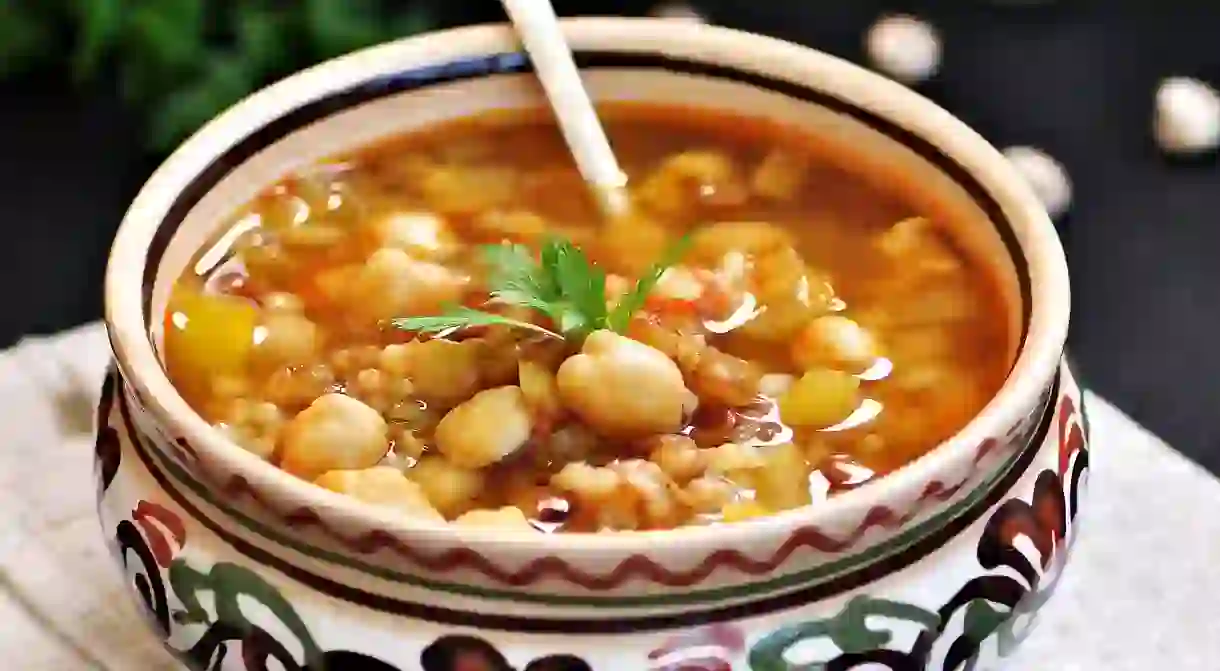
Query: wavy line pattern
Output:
(634,567)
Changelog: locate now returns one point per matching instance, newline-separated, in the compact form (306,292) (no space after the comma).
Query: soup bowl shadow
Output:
(943,564)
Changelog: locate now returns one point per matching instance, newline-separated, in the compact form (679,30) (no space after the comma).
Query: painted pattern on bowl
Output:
(216,585)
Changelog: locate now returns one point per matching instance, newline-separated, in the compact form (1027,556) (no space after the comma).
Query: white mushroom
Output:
(335,432)
(677,10)
(493,424)
(1045,176)
(623,387)
(1187,116)
(904,48)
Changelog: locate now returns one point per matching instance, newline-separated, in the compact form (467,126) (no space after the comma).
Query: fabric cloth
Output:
(1138,594)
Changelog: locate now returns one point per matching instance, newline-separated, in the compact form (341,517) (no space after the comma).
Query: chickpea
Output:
(622,387)
(392,284)
(780,174)
(334,432)
(445,372)
(493,424)
(679,457)
(835,341)
(421,234)
(382,486)
(708,494)
(586,481)
(451,489)
(725,379)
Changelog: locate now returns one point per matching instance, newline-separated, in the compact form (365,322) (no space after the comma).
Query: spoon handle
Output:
(538,27)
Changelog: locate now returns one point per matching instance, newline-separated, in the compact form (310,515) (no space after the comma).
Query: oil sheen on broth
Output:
(815,334)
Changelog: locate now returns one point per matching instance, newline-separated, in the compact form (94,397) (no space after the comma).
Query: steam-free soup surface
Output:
(809,331)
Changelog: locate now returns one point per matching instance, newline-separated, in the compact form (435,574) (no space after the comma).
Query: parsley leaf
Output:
(464,317)
(561,284)
(633,302)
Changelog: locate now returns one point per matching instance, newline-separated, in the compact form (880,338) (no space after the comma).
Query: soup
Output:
(444,325)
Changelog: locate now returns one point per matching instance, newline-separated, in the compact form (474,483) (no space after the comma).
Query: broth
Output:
(811,333)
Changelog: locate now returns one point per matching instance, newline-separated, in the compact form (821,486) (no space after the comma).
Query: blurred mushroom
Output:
(1187,116)
(1045,175)
(677,10)
(904,47)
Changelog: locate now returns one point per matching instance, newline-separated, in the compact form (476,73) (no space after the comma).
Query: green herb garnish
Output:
(562,284)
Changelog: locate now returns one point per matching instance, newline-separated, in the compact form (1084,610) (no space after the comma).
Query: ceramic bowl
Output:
(941,565)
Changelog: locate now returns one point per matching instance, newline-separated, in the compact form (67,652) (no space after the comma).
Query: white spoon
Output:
(538,27)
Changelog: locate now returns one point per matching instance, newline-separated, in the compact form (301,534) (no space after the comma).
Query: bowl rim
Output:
(1037,361)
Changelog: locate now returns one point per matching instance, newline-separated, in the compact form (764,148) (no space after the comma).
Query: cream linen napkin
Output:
(1140,593)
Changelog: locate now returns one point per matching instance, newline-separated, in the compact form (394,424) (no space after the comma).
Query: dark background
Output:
(1074,78)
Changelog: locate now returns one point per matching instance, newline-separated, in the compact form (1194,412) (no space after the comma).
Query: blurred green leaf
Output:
(168,35)
(263,34)
(413,21)
(337,27)
(226,79)
(165,52)
(100,24)
(25,36)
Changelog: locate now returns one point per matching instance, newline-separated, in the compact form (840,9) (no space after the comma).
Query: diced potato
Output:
(820,398)
(783,481)
(207,335)
(489,427)
(381,486)
(779,175)
(835,341)
(745,509)
(507,517)
(450,488)
(335,432)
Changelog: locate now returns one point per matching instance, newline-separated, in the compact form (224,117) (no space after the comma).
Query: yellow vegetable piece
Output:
(738,511)
(207,336)
(783,482)
(820,398)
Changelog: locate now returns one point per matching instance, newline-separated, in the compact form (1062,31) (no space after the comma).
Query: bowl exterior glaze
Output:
(224,592)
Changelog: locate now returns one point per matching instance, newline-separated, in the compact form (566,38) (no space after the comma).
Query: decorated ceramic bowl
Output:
(941,565)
